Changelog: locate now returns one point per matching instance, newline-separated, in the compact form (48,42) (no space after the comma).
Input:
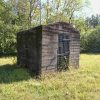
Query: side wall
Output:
(29,49)
(21,55)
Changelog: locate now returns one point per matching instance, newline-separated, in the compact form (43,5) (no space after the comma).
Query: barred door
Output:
(63,52)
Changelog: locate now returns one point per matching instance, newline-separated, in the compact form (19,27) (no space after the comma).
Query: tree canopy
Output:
(16,15)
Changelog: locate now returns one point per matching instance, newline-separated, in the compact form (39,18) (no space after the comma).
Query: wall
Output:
(49,50)
(74,50)
(50,45)
(29,49)
(37,47)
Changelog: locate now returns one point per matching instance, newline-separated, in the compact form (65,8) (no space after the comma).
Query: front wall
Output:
(50,47)
(49,51)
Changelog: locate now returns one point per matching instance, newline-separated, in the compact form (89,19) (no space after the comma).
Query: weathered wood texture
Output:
(37,47)
(29,49)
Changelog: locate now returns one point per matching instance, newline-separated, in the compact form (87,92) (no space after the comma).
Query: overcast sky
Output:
(95,5)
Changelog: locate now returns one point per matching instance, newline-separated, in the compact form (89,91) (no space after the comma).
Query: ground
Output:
(80,84)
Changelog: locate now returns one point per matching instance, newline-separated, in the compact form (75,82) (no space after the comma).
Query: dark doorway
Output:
(63,52)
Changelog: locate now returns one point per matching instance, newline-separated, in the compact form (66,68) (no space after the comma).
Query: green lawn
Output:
(81,84)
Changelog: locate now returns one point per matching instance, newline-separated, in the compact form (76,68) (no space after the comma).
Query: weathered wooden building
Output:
(54,47)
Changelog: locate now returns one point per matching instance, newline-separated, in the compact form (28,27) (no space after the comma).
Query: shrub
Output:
(90,41)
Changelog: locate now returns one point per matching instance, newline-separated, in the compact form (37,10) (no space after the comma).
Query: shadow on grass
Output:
(11,73)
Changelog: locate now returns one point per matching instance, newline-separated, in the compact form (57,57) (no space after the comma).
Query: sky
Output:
(95,6)
(92,8)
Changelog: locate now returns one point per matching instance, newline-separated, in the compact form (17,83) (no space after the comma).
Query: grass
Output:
(81,84)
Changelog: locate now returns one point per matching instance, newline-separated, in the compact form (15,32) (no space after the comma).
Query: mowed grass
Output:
(80,84)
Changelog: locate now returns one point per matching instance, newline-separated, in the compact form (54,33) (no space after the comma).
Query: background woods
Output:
(16,15)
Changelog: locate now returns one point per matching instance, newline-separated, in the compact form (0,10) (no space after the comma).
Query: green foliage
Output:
(8,29)
(90,33)
(8,39)
(62,10)
(93,21)
(90,41)
(21,15)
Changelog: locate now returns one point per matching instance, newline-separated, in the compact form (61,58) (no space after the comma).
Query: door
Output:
(63,52)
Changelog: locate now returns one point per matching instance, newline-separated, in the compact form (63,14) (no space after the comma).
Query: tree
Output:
(7,28)
(93,21)
(61,10)
(16,15)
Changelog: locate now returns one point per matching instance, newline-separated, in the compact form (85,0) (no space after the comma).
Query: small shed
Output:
(48,48)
